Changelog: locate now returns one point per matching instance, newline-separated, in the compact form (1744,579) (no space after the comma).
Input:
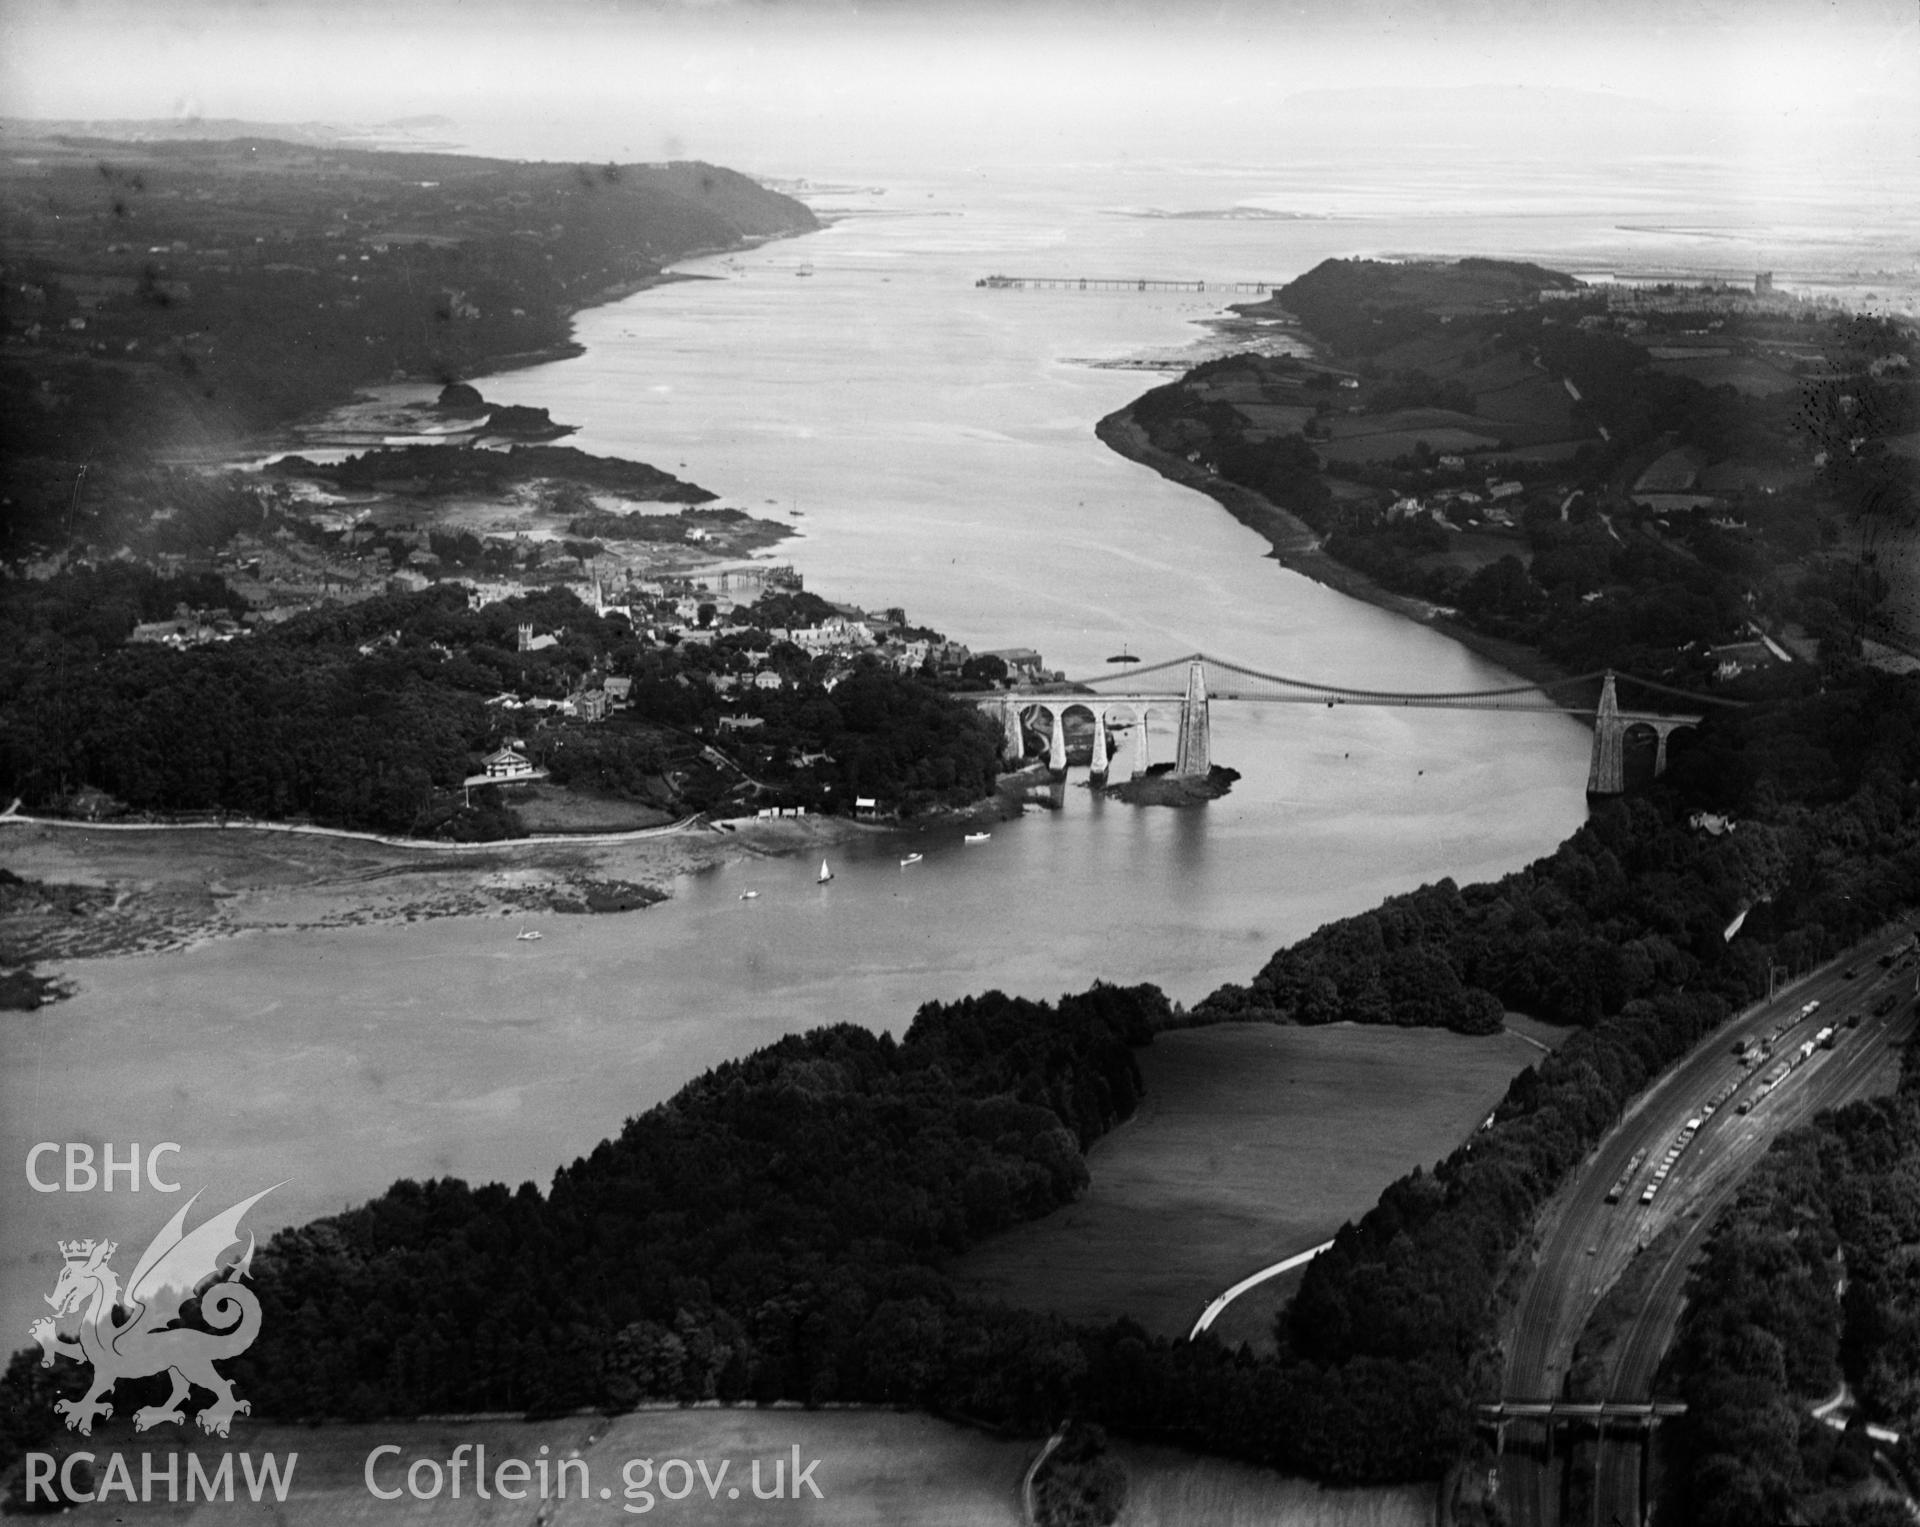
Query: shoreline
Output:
(1293,544)
(105,889)
(570,348)
(164,888)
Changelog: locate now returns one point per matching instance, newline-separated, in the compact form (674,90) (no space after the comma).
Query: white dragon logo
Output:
(148,1339)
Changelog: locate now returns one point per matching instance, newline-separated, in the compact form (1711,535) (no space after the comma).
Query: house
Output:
(619,692)
(590,705)
(865,806)
(1499,490)
(741,723)
(507,764)
(1737,658)
(766,678)
(1022,662)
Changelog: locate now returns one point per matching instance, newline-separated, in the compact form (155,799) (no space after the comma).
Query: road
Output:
(1287,1264)
(1586,1243)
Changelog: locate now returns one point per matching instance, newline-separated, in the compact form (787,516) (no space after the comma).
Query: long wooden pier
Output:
(1118,284)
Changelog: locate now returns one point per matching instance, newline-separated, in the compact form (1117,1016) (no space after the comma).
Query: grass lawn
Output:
(1254,1142)
(555,808)
(1171,1489)
(1531,398)
(1471,550)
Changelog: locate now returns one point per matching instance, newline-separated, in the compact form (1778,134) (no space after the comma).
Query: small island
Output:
(1159,786)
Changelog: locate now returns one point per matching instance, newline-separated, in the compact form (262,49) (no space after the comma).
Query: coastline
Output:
(1293,544)
(567,349)
(158,889)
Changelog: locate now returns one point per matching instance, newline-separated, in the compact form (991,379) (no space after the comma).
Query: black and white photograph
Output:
(960,763)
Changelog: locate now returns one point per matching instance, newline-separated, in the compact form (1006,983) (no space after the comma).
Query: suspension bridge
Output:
(1120,704)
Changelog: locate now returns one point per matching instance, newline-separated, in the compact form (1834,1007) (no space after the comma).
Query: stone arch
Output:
(1640,754)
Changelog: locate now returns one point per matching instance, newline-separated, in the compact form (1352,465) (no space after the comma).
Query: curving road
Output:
(1586,1243)
(1216,1309)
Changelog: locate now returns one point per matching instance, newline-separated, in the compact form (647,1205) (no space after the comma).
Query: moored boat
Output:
(977,837)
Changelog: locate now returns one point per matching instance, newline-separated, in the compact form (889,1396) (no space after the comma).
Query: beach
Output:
(151,890)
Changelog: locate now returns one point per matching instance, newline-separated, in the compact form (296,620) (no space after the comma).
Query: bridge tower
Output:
(1607,774)
(1195,756)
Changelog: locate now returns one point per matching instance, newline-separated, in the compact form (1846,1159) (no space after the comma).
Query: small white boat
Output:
(527,935)
(911,859)
(825,873)
(749,895)
(978,837)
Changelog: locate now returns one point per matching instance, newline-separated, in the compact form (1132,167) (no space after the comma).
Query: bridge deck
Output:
(1580,1410)
(1256,697)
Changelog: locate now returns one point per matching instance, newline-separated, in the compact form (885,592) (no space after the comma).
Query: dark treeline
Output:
(770,1232)
(778,1229)
(1765,1336)
(370,715)
(1636,902)
(434,469)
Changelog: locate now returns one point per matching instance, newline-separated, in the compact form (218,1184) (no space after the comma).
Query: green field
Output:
(1254,1142)
(1386,444)
(1471,550)
(1170,1489)
(1746,373)
(876,1469)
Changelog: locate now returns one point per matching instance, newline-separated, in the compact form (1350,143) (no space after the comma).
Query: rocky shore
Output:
(75,893)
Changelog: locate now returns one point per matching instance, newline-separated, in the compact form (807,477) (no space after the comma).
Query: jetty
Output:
(1119,284)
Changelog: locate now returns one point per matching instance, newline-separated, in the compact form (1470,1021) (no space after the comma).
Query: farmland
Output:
(1254,1142)
(1170,1489)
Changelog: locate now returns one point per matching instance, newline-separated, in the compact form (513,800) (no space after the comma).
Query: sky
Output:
(779,86)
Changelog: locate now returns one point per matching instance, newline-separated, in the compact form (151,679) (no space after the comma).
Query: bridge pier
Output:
(1607,768)
(1057,745)
(1195,756)
(1099,743)
(1015,735)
